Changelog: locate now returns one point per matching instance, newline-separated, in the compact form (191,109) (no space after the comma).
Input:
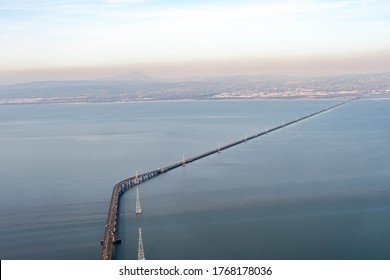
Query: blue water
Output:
(315,190)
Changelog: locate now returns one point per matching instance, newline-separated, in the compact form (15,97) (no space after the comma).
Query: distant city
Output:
(139,87)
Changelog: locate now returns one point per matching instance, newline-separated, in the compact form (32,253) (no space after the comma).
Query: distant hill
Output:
(137,86)
(132,77)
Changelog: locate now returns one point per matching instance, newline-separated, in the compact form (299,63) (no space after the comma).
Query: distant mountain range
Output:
(138,86)
(132,77)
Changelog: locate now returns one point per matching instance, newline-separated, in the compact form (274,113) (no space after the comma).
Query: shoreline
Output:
(40,102)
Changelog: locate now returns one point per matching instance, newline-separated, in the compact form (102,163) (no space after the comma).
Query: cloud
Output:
(125,1)
(89,33)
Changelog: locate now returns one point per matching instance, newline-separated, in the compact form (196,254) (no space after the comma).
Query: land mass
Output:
(139,87)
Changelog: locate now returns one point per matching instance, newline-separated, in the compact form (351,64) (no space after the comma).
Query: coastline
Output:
(71,101)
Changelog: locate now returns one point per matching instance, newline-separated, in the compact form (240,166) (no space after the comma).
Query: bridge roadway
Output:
(109,239)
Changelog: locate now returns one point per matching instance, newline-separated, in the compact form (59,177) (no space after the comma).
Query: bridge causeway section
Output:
(109,239)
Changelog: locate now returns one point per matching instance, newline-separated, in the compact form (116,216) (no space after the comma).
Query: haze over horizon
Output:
(61,40)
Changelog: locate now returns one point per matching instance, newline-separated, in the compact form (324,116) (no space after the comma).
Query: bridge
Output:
(110,239)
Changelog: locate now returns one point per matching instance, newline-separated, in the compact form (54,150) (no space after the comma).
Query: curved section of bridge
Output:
(109,239)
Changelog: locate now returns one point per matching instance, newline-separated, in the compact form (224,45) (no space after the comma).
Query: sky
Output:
(69,39)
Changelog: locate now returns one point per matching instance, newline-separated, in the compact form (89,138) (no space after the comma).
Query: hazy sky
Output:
(61,39)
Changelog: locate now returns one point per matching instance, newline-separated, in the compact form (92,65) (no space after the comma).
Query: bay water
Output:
(318,189)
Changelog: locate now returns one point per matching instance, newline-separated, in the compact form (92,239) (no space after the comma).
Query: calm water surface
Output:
(316,190)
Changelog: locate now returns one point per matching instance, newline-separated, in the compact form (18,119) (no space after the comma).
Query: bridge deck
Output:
(109,238)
